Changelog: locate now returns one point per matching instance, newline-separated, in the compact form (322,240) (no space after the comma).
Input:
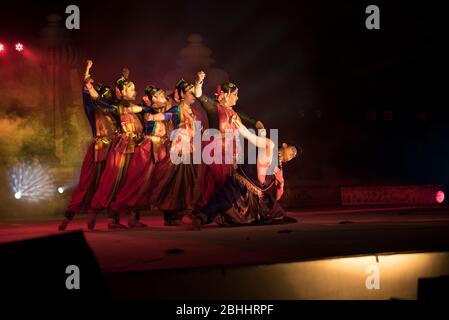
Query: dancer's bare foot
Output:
(64,224)
(92,221)
(287,219)
(173,219)
(114,226)
(198,221)
(134,222)
(137,224)
(173,223)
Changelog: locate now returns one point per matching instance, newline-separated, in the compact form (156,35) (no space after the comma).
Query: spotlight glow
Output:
(439,197)
(2,47)
(60,190)
(31,182)
(19,47)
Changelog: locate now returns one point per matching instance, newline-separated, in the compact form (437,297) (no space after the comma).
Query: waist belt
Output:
(250,186)
(158,139)
(105,140)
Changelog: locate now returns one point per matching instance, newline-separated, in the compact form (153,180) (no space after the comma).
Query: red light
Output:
(19,47)
(2,47)
(439,197)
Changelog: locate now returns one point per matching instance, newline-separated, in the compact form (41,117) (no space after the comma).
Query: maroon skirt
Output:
(175,187)
(90,174)
(140,171)
(114,173)
(212,180)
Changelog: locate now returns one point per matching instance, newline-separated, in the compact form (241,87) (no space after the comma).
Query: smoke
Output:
(29,167)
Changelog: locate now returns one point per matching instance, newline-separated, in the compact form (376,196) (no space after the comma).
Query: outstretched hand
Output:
(279,176)
(259,125)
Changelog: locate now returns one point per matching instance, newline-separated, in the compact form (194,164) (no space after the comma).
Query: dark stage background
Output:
(367,106)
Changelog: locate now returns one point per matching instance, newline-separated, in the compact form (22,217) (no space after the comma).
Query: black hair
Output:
(122,83)
(150,91)
(228,87)
(106,92)
(182,87)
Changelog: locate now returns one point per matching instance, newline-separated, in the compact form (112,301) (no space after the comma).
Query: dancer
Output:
(147,154)
(245,197)
(118,159)
(175,186)
(219,113)
(100,113)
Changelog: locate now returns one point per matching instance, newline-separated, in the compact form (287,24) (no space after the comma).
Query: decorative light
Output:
(19,47)
(439,197)
(30,181)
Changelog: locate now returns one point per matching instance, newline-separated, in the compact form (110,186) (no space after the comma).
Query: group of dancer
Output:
(129,166)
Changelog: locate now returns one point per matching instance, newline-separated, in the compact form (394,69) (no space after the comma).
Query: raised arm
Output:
(208,104)
(88,81)
(199,84)
(89,64)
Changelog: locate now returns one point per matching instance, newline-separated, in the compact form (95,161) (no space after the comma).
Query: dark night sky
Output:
(286,57)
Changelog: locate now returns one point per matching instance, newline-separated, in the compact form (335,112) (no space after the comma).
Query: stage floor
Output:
(319,234)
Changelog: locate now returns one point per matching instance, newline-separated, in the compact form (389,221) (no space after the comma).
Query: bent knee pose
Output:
(100,111)
(175,186)
(219,113)
(147,153)
(246,197)
(122,149)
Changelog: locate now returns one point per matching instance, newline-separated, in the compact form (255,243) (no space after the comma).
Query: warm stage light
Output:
(439,196)
(2,47)
(61,190)
(30,181)
(19,47)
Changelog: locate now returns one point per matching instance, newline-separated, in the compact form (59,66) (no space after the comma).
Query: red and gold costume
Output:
(103,124)
(175,188)
(117,163)
(215,174)
(147,153)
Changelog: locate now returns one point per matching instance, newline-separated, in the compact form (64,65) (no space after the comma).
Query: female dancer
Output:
(245,197)
(117,163)
(175,186)
(147,153)
(100,113)
(219,113)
